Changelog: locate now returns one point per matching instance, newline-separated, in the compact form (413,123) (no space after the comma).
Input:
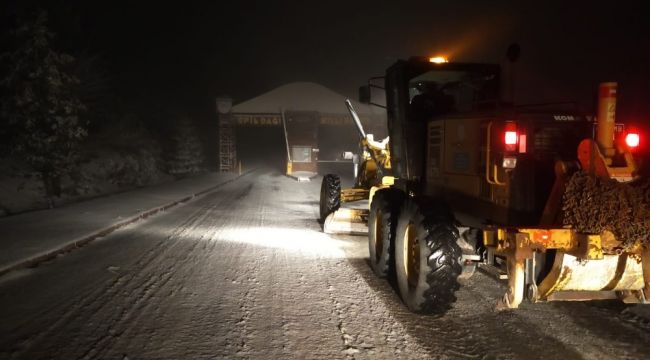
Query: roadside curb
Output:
(80,242)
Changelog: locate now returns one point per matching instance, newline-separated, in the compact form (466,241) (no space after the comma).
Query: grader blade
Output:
(347,221)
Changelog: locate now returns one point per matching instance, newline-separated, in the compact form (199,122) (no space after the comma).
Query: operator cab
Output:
(454,139)
(419,90)
(441,91)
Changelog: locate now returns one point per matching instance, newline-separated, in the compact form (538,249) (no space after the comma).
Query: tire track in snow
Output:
(94,301)
(366,328)
(186,271)
(185,268)
(139,294)
(292,293)
(80,304)
(257,305)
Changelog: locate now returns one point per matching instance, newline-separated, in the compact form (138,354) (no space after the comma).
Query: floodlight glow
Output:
(303,241)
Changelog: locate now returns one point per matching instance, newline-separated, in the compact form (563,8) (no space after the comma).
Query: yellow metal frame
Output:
(380,155)
(488,162)
(580,268)
(386,182)
(374,159)
(289,167)
(354,194)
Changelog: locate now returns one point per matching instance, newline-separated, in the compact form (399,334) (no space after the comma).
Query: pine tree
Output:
(38,105)
(187,152)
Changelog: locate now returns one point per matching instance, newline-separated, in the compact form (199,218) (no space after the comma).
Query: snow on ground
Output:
(35,233)
(245,273)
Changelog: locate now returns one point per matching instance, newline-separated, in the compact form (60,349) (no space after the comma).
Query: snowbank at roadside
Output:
(107,172)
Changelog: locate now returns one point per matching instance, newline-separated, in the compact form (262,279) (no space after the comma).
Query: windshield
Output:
(438,92)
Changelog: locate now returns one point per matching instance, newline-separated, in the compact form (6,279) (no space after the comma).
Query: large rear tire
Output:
(427,259)
(330,195)
(382,223)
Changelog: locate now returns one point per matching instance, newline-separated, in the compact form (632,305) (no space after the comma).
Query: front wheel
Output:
(330,195)
(427,259)
(382,222)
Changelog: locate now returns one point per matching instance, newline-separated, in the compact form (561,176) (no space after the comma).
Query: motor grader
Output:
(542,196)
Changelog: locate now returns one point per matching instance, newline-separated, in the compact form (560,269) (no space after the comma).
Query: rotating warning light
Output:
(438,59)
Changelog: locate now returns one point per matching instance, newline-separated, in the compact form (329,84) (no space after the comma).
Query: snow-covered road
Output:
(244,272)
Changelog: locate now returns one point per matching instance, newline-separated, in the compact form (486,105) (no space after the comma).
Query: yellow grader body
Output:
(557,256)
(351,217)
(584,266)
(580,270)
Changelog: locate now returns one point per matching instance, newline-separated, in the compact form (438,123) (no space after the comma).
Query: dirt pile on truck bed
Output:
(593,204)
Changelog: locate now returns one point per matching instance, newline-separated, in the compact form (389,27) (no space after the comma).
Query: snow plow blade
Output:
(346,221)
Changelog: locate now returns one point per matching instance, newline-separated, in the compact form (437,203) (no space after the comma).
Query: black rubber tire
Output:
(330,195)
(382,223)
(432,288)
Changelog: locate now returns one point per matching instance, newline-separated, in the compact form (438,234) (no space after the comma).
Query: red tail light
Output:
(632,140)
(511,138)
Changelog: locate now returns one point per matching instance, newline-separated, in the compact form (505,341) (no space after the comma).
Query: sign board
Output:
(261,120)
(258,120)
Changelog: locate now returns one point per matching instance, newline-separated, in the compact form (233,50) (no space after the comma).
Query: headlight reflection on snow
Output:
(298,240)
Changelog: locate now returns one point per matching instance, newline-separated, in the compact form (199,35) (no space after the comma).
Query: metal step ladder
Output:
(227,145)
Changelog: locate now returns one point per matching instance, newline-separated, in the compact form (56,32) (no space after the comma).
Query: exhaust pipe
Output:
(606,114)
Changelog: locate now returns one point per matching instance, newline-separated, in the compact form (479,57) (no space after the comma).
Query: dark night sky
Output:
(188,52)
